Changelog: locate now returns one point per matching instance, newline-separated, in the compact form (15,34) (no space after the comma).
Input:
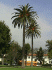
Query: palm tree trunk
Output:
(32,53)
(26,61)
(23,45)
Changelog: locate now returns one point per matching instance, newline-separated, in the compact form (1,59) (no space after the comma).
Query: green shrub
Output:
(0,62)
(46,64)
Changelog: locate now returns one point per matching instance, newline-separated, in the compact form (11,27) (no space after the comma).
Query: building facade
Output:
(45,57)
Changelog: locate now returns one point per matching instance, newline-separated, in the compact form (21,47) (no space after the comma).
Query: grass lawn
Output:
(26,68)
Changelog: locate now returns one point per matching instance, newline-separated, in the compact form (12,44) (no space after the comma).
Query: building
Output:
(45,57)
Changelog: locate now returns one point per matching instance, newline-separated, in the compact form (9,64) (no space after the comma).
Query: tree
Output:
(45,51)
(23,15)
(19,54)
(33,30)
(50,54)
(49,45)
(40,55)
(5,37)
(14,53)
(35,50)
(27,50)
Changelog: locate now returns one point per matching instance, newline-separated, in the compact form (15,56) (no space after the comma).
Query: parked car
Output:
(5,63)
(14,64)
(38,64)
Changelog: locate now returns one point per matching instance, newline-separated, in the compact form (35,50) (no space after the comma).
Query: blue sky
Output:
(44,11)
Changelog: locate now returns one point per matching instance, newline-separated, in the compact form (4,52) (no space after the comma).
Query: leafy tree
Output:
(27,50)
(23,15)
(14,52)
(33,31)
(40,55)
(49,45)
(50,54)
(19,54)
(35,50)
(45,51)
(5,37)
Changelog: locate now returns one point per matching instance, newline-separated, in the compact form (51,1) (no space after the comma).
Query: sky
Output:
(44,11)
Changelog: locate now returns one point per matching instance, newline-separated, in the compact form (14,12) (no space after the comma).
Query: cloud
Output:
(5,13)
(45,27)
(17,34)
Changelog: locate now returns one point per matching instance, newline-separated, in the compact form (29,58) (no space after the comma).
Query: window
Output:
(51,62)
(45,57)
(29,57)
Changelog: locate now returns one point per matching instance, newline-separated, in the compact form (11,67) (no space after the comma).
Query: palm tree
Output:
(33,30)
(23,15)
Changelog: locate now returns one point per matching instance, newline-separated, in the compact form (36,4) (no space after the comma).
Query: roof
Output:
(35,54)
(45,54)
(31,54)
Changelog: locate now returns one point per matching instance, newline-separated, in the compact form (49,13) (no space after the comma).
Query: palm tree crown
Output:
(33,29)
(23,14)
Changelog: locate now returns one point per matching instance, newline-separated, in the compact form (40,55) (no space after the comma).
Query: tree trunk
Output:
(17,61)
(32,53)
(11,62)
(3,61)
(26,61)
(23,45)
(40,62)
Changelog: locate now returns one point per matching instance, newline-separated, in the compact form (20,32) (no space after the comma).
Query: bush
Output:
(0,63)
(46,65)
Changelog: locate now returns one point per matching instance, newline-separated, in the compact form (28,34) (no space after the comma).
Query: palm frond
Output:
(35,32)
(23,8)
(15,24)
(16,21)
(23,13)
(15,13)
(29,9)
(34,12)
(27,5)
(20,6)
(15,16)
(19,10)
(18,25)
